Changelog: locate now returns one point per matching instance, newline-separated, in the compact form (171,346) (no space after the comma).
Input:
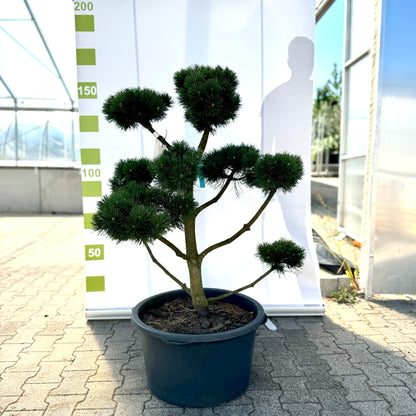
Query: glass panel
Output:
(7,135)
(26,76)
(357,107)
(41,136)
(15,9)
(350,214)
(360,30)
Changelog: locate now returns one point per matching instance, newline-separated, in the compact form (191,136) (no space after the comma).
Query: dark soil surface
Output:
(178,316)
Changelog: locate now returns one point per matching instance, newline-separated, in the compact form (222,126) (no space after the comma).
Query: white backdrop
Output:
(269,44)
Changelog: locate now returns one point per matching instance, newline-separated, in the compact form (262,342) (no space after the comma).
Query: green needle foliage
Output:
(208,96)
(133,106)
(149,198)
(132,170)
(281,255)
(281,171)
(230,161)
(177,167)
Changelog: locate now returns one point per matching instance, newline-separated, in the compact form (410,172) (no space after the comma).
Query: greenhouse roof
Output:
(37,55)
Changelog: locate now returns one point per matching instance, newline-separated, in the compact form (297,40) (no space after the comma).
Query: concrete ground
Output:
(356,360)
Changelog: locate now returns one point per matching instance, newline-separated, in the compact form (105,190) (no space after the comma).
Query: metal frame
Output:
(348,64)
(58,74)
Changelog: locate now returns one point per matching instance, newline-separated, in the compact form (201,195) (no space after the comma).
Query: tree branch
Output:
(182,285)
(157,135)
(216,198)
(252,284)
(173,247)
(245,228)
(203,143)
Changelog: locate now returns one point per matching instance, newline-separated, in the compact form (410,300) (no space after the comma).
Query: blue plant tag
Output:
(201,176)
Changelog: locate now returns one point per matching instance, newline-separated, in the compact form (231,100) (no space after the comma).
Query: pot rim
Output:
(175,338)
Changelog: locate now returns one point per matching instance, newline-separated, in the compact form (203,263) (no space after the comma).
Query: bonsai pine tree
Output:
(149,198)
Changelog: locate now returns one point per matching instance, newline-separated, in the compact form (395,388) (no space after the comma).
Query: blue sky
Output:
(329,43)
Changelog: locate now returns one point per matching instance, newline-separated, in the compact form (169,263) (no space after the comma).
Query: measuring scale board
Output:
(142,43)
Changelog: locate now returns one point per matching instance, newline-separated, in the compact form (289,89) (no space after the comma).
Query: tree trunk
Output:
(199,299)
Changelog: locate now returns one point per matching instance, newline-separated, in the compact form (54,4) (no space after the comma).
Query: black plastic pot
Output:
(198,370)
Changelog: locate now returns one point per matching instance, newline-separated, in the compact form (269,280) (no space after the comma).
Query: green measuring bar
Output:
(95,283)
(90,156)
(92,188)
(94,252)
(88,123)
(88,221)
(85,56)
(87,90)
(84,23)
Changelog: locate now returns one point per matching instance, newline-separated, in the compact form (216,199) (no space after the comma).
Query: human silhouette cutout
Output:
(286,127)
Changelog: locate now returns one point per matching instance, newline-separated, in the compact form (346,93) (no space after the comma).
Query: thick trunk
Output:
(199,299)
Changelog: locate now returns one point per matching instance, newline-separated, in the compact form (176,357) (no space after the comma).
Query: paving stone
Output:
(340,365)
(319,378)
(6,401)
(42,343)
(326,345)
(334,400)
(260,379)
(12,382)
(408,349)
(395,363)
(369,408)
(359,353)
(84,360)
(33,397)
(62,405)
(273,347)
(378,375)
(24,413)
(49,372)
(28,361)
(134,382)
(377,343)
(116,351)
(298,396)
(400,400)
(130,404)
(109,370)
(72,336)
(94,343)
(343,336)
(265,403)
(62,352)
(304,409)
(121,333)
(54,328)
(73,382)
(93,412)
(357,388)
(169,412)
(199,411)
(10,352)
(134,362)
(286,323)
(99,395)
(291,383)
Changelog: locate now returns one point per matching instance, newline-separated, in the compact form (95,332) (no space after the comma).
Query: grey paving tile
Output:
(266,403)
(335,401)
(401,403)
(304,409)
(131,404)
(370,408)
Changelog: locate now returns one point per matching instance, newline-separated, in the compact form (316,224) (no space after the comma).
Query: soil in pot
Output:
(178,316)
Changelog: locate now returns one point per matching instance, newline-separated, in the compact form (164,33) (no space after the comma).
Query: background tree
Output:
(327,114)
